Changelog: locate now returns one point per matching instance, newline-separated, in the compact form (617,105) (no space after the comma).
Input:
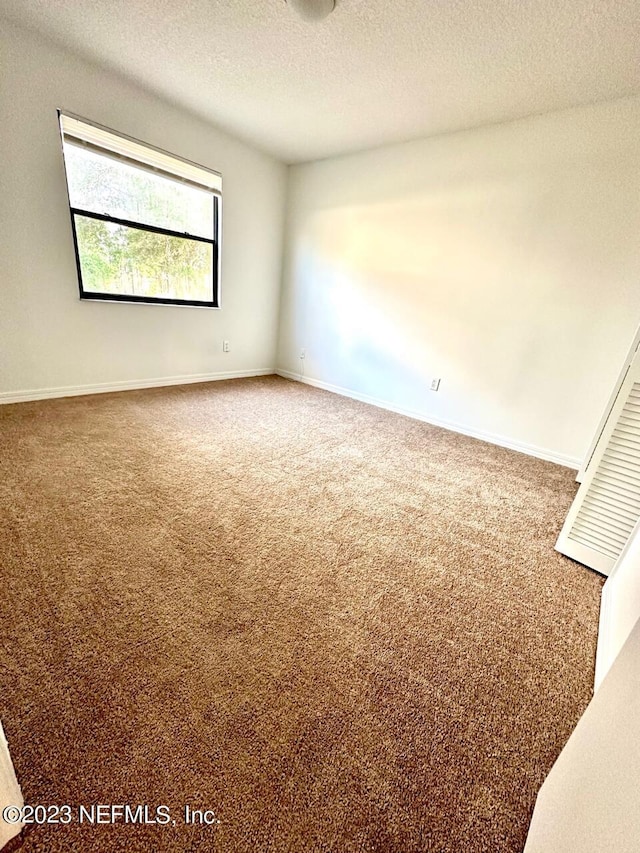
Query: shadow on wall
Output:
(389,295)
(503,260)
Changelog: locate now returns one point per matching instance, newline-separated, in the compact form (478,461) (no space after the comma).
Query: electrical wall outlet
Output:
(435,384)
(303,353)
(225,346)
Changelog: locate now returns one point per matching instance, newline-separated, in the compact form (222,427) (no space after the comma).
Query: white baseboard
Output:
(126,385)
(501,441)
(134,384)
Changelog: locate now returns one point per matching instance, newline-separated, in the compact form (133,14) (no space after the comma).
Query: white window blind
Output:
(75,130)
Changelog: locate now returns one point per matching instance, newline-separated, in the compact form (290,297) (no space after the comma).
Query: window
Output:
(146,225)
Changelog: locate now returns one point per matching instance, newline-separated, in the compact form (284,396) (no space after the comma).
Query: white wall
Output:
(589,801)
(48,338)
(505,260)
(620,606)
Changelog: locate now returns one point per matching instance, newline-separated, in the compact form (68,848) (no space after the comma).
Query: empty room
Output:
(320,426)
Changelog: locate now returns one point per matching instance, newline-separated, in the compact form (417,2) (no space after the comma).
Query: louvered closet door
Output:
(635,345)
(607,505)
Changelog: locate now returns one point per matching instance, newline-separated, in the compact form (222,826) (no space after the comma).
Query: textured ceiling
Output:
(375,71)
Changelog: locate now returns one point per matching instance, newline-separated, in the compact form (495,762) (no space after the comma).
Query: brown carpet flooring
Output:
(341,629)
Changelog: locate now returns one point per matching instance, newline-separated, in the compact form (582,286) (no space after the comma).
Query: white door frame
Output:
(10,793)
(620,606)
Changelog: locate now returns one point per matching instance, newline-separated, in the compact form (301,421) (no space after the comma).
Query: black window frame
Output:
(92,295)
